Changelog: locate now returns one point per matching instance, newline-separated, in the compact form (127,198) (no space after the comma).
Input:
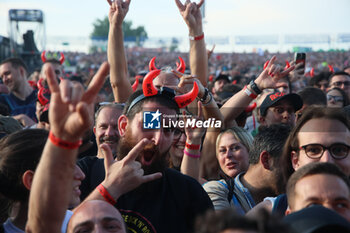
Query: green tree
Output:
(174,45)
(101,27)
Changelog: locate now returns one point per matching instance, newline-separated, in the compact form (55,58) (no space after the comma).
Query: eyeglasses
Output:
(340,83)
(178,133)
(337,150)
(335,98)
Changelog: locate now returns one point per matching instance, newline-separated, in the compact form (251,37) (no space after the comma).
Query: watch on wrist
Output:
(255,87)
(206,91)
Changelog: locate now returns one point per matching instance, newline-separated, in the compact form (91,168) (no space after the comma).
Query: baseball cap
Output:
(222,76)
(277,96)
(317,219)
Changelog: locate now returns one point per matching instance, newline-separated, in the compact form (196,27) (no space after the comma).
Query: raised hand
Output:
(210,52)
(191,13)
(297,73)
(188,79)
(71,108)
(194,135)
(118,11)
(125,175)
(270,77)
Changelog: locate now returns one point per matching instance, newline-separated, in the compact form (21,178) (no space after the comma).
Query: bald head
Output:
(96,216)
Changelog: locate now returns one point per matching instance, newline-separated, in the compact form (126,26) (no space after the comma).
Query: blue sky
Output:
(224,17)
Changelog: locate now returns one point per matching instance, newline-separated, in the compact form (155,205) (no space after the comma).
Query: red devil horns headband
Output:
(41,96)
(182,66)
(151,64)
(149,90)
(136,83)
(287,65)
(331,69)
(312,72)
(179,67)
(44,59)
(181,101)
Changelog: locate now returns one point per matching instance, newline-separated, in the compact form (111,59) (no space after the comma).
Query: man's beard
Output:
(160,161)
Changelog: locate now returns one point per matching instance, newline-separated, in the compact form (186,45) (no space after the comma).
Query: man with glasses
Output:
(341,80)
(279,107)
(321,135)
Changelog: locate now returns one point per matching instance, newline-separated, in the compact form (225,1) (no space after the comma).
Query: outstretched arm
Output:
(209,106)
(269,78)
(190,161)
(191,14)
(210,110)
(116,54)
(70,114)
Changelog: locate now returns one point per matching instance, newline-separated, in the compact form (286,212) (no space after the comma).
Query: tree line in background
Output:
(137,34)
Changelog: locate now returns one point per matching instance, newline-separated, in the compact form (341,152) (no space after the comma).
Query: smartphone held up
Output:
(300,58)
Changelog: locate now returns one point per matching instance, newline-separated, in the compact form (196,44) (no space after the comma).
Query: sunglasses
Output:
(340,83)
(335,98)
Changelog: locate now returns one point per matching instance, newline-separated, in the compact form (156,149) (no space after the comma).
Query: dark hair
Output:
(318,78)
(271,139)
(19,152)
(138,107)
(229,219)
(345,96)
(339,73)
(292,143)
(313,95)
(16,62)
(313,169)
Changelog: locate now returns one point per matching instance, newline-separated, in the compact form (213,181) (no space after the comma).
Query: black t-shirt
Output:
(94,171)
(169,204)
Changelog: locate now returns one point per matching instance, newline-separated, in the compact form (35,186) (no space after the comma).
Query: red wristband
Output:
(64,144)
(193,147)
(200,37)
(105,194)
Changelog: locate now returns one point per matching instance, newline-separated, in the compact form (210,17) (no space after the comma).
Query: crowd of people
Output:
(152,141)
